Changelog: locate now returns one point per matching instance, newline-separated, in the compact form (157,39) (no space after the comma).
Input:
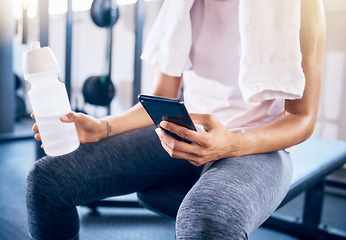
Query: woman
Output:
(240,170)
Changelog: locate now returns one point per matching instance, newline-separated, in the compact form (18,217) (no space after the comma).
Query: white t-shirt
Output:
(211,83)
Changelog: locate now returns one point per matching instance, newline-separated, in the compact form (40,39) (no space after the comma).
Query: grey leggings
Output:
(231,199)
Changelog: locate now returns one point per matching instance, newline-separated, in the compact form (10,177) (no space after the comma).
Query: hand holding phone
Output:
(167,109)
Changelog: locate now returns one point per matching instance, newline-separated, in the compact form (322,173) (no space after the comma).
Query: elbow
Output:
(309,131)
(308,123)
(303,125)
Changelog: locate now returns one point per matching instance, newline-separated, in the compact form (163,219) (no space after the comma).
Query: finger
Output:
(182,132)
(198,137)
(206,120)
(168,139)
(198,118)
(37,137)
(197,164)
(32,115)
(162,134)
(69,117)
(178,149)
(193,159)
(34,127)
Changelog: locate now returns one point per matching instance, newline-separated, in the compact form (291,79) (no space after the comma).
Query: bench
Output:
(313,160)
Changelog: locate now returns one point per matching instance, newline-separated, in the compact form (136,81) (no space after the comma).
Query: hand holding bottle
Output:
(89,129)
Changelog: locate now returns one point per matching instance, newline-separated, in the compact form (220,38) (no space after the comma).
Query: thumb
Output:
(202,119)
(197,118)
(206,120)
(68,117)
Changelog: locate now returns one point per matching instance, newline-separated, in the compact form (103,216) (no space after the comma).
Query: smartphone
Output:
(168,109)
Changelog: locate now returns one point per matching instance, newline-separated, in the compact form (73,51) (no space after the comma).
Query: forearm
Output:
(136,117)
(132,119)
(283,133)
(298,123)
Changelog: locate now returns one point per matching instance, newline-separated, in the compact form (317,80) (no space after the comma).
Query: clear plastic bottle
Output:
(49,100)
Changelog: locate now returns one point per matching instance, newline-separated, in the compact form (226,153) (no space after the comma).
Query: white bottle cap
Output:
(39,59)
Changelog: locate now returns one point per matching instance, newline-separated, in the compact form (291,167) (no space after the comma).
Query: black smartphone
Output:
(168,109)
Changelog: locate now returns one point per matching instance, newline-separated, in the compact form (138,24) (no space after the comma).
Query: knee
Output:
(42,182)
(37,179)
(203,217)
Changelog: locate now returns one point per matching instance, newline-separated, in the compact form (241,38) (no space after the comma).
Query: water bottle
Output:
(49,100)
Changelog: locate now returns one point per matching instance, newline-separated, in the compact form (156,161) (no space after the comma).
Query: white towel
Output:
(169,42)
(270,65)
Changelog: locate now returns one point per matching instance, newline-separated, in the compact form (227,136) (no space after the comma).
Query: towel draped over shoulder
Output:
(270,62)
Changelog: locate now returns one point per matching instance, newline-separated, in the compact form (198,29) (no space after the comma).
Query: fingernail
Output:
(158,131)
(163,124)
(64,118)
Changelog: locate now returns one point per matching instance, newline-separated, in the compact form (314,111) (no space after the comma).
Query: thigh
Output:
(234,196)
(122,164)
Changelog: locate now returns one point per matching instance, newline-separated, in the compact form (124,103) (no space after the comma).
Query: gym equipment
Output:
(99,90)
(20,105)
(104,13)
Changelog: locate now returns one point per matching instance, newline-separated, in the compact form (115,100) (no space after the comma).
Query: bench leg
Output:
(313,205)
(309,227)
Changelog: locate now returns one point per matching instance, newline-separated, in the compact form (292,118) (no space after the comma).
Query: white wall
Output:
(332,114)
(89,48)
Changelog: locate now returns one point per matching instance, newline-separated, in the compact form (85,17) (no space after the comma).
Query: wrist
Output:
(241,144)
(106,129)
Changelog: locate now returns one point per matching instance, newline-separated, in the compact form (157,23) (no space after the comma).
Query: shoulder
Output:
(313,26)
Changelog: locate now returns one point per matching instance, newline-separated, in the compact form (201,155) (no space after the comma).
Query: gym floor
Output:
(16,157)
